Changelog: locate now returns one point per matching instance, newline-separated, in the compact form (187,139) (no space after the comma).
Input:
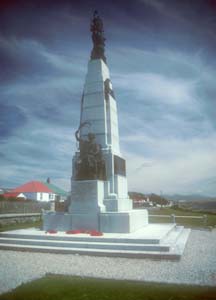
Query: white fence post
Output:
(205,220)
(173,218)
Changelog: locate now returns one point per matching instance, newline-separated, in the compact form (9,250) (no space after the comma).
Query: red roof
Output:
(32,187)
(11,195)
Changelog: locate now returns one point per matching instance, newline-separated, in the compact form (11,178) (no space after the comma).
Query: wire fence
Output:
(174,218)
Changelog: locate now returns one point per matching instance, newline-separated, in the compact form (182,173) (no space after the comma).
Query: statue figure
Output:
(90,164)
(98,38)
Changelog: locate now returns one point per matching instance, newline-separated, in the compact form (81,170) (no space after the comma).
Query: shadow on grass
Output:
(60,287)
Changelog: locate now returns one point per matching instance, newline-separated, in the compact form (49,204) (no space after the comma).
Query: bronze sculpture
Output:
(98,38)
(90,164)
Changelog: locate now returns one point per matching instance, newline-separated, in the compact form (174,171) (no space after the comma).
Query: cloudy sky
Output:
(161,55)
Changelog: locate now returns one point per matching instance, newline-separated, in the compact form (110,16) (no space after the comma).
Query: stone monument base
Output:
(108,222)
(89,210)
(123,222)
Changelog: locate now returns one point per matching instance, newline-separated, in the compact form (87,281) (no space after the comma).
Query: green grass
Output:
(211,218)
(20,226)
(59,287)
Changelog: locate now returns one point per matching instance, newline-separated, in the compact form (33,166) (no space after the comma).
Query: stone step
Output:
(84,238)
(93,252)
(169,242)
(179,245)
(154,235)
(172,236)
(84,245)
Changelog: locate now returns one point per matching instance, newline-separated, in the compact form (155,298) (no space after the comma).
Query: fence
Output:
(173,218)
(23,207)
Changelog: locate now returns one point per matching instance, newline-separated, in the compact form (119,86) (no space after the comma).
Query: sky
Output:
(161,56)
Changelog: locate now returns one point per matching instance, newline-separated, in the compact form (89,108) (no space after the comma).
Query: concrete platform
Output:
(158,241)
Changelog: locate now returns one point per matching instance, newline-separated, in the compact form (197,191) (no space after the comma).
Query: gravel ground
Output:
(197,266)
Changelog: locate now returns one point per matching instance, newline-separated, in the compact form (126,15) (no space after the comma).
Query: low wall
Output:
(7,219)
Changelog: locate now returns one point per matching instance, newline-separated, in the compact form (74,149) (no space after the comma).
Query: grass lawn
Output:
(59,287)
(20,226)
(211,218)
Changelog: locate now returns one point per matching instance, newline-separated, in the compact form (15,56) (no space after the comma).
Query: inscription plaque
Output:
(119,166)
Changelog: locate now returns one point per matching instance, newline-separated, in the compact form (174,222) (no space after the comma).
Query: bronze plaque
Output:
(119,166)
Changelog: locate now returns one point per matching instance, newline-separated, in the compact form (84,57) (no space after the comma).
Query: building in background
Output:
(39,191)
(15,195)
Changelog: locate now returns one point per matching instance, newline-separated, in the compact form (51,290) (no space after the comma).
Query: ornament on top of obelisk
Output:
(98,38)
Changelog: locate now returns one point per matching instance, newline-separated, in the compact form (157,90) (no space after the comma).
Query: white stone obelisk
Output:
(99,109)
(99,198)
(93,201)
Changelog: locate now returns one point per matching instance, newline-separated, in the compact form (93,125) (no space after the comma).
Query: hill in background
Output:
(189,202)
(191,197)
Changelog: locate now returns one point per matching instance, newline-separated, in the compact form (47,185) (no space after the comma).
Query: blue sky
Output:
(161,56)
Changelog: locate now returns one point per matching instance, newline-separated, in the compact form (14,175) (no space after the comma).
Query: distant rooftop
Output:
(39,187)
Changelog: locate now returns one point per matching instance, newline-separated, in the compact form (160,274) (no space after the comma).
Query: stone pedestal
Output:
(87,197)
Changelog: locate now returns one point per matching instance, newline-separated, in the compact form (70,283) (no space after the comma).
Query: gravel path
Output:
(197,266)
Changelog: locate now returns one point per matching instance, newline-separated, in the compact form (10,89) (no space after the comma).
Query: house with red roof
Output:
(39,191)
(14,195)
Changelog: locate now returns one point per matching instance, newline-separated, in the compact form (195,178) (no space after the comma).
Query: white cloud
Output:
(167,133)
(178,165)
(64,63)
(38,152)
(155,87)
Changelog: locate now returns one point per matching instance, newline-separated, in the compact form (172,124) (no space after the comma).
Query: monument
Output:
(99,192)
(99,219)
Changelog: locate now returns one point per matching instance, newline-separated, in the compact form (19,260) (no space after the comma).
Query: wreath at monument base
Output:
(78,231)
(90,232)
